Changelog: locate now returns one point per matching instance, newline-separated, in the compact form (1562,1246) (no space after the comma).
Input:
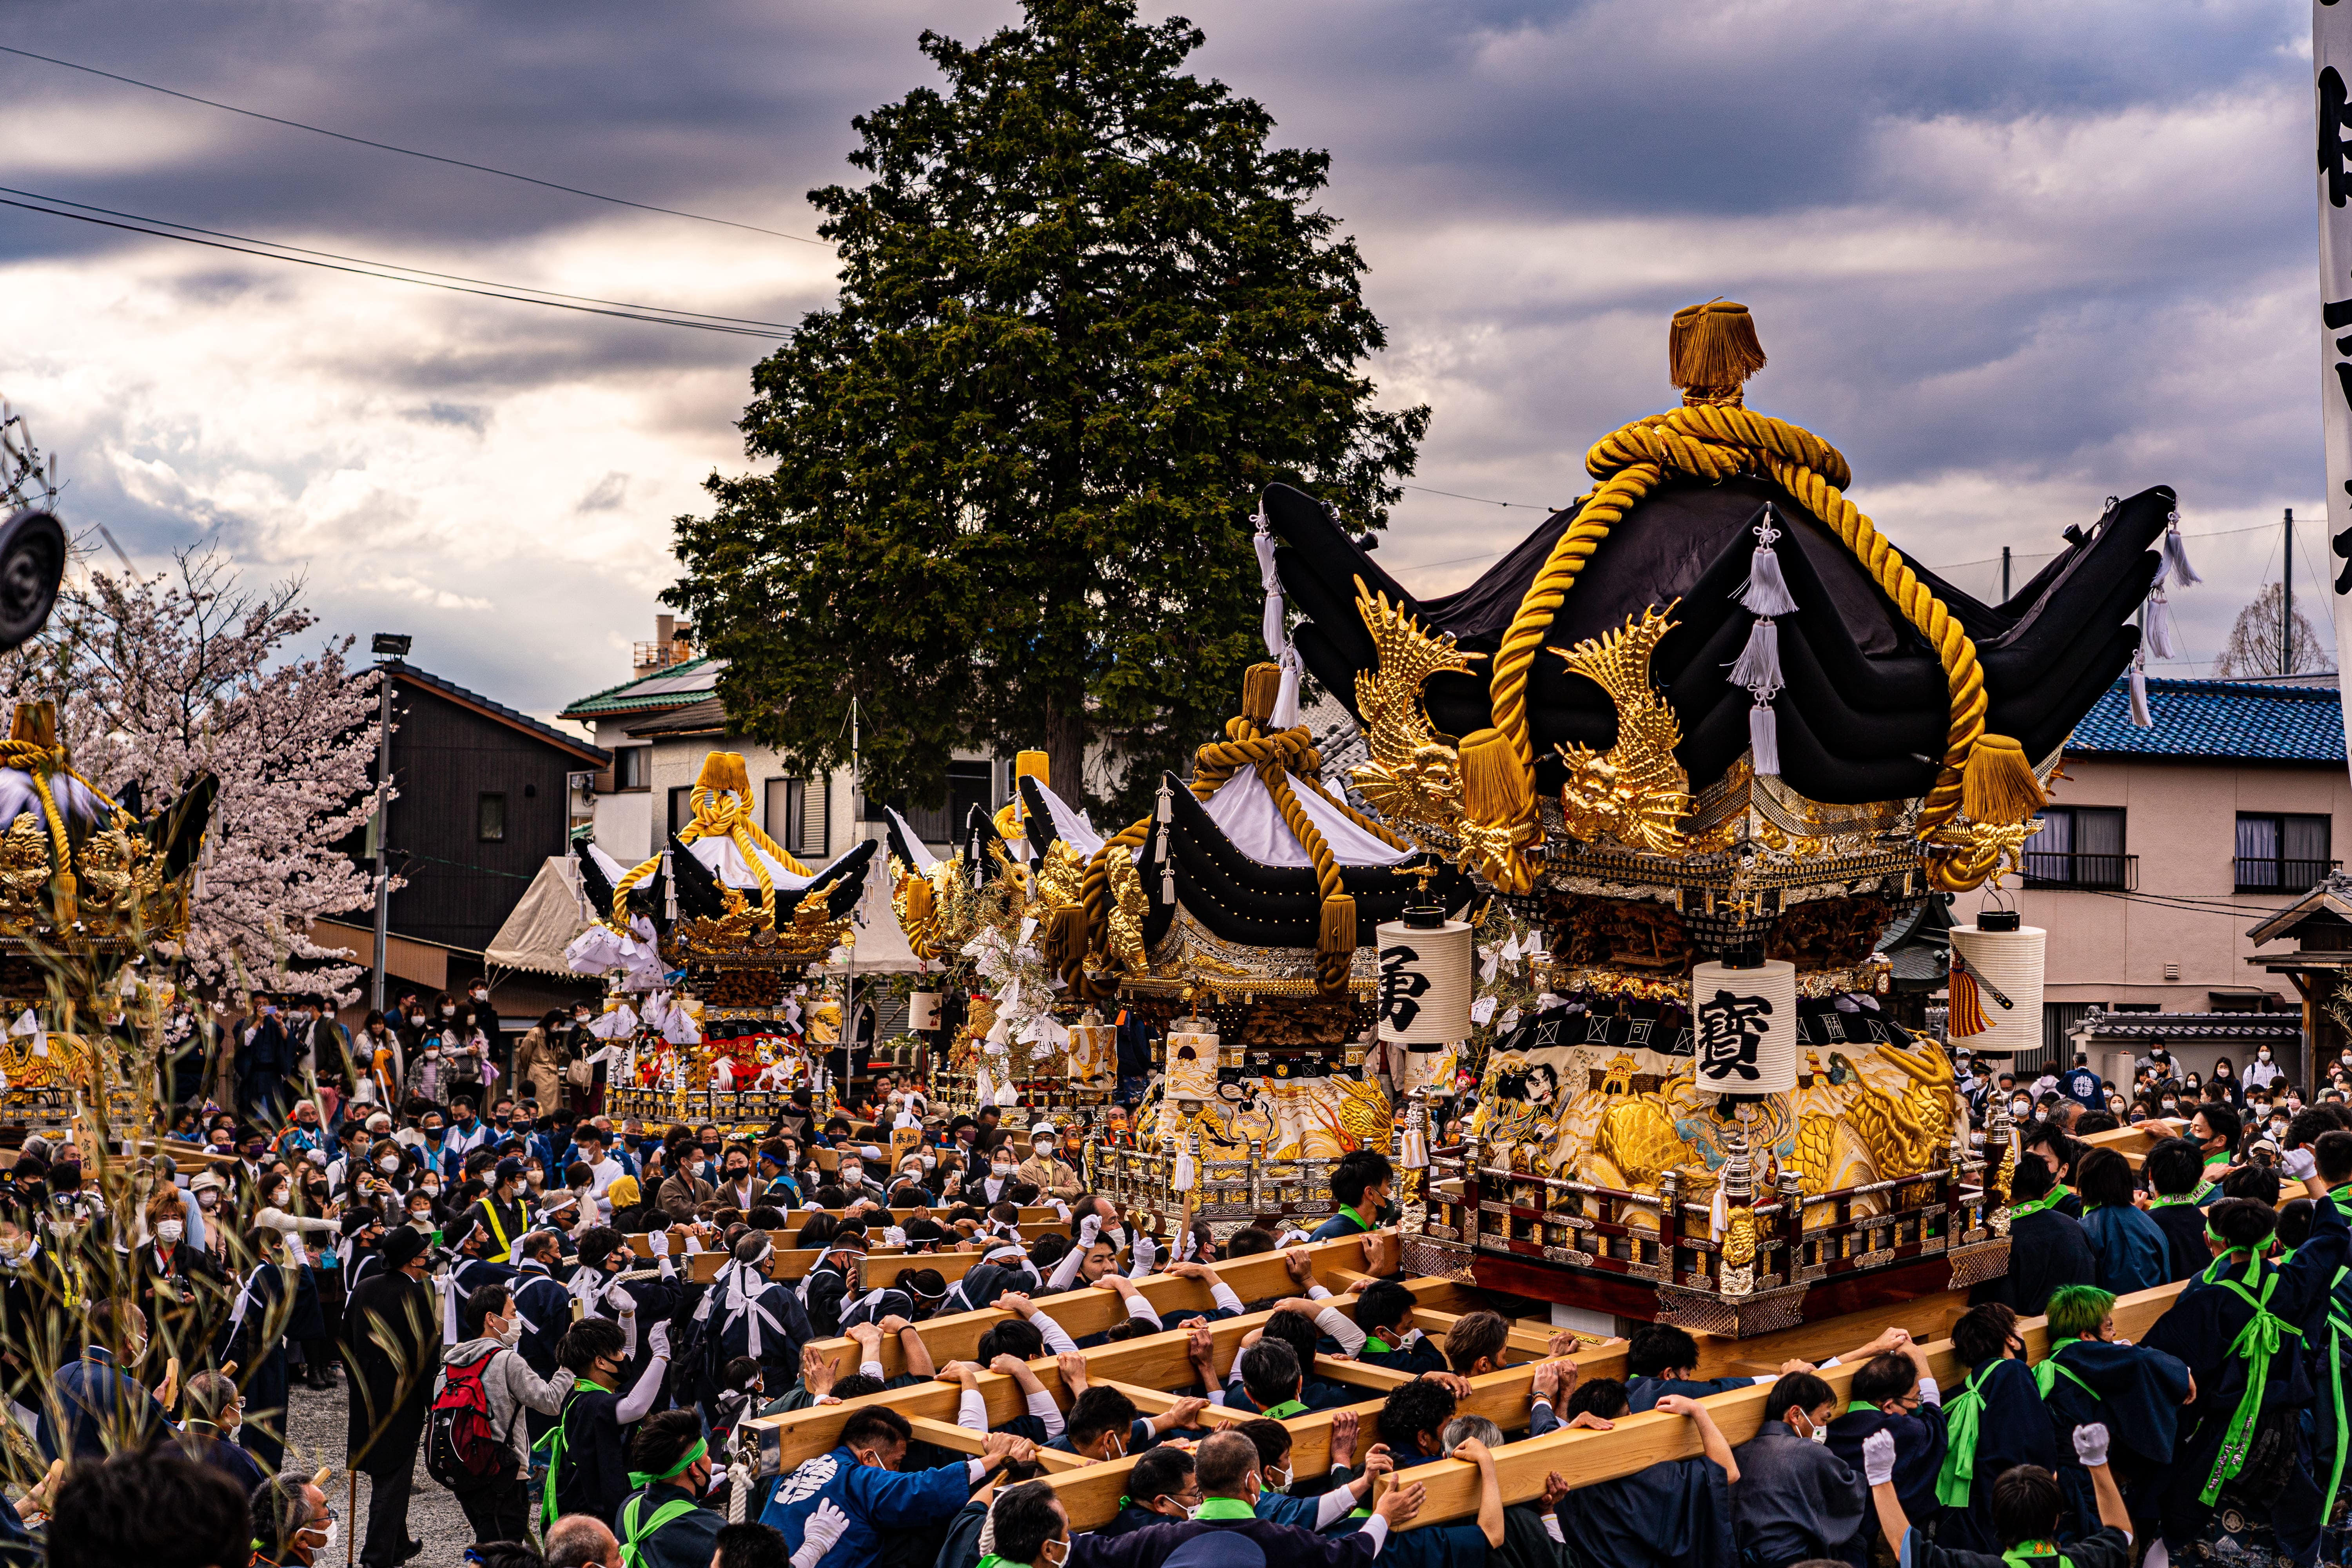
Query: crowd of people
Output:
(490,1273)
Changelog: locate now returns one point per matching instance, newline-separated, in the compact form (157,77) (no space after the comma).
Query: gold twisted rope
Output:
(1717,441)
(1276,755)
(719,815)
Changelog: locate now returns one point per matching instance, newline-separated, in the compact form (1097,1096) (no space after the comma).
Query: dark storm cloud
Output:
(2009,257)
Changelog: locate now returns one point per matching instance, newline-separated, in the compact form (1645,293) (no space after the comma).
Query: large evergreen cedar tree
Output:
(1085,314)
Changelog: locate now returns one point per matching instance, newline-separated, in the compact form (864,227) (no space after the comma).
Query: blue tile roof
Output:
(2246,720)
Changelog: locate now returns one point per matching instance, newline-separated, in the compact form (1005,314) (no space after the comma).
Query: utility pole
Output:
(390,648)
(2286,602)
(2004,574)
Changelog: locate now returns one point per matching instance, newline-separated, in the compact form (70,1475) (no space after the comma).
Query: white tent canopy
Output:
(881,946)
(553,910)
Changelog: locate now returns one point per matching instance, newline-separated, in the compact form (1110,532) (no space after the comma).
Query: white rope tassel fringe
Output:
(2176,552)
(2140,717)
(2155,632)
(1758,667)
(1766,592)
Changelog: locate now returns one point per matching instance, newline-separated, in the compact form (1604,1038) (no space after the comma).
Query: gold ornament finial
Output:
(1711,351)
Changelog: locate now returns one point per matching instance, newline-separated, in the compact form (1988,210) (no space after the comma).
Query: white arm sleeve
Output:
(972,1411)
(1551,1528)
(1928,1392)
(1223,1295)
(1378,1529)
(1337,1324)
(1057,1342)
(1332,1507)
(1065,1273)
(640,1402)
(1042,1405)
(978,1468)
(1318,1293)
(873,1369)
(1143,1312)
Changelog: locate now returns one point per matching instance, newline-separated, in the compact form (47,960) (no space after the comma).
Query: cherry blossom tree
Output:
(159,680)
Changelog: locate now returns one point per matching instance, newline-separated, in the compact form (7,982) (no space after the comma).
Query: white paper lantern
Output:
(923,1012)
(1744,1027)
(1192,1069)
(1425,980)
(1996,988)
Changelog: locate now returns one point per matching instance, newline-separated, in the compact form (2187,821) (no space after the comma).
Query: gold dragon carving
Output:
(1415,779)
(1635,793)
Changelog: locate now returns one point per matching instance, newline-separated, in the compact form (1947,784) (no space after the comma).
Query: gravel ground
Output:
(315,1436)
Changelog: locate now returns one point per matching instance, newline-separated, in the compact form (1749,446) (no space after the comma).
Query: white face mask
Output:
(208,1200)
(448,1010)
(511,1333)
(1001,1168)
(2021,1108)
(2265,1055)
(853,1174)
(388,1165)
(928,1162)
(170,1232)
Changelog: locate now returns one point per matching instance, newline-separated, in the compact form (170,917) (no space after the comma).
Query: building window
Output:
(799,817)
(970,784)
(2081,847)
(490,819)
(681,810)
(629,767)
(2281,852)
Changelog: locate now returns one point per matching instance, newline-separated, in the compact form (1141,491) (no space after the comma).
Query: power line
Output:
(388,266)
(407,152)
(643,313)
(1482,500)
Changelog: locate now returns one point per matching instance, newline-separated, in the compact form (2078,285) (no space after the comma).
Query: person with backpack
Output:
(475,1443)
(664,1524)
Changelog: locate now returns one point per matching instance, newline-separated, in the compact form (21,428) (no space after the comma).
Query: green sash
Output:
(2046,1375)
(1361,1224)
(554,1443)
(2029,1552)
(2337,1328)
(2050,1199)
(2259,1339)
(1962,1418)
(1284,1410)
(633,1535)
(1218,1508)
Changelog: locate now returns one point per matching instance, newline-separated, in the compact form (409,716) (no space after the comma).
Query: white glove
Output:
(2091,1444)
(894,1236)
(819,1532)
(1878,1458)
(617,1297)
(657,1243)
(693,1244)
(2298,1164)
(1146,1256)
(658,1340)
(1089,1229)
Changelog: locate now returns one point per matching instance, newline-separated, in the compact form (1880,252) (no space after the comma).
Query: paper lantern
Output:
(1093,1054)
(1997,984)
(1744,1027)
(1425,975)
(1192,1069)
(923,1012)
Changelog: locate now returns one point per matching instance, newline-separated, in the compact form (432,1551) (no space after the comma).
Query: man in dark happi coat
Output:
(2047,1248)
(1677,1514)
(392,1345)
(2136,1392)
(1892,1394)
(2234,1326)
(1993,1421)
(1794,1498)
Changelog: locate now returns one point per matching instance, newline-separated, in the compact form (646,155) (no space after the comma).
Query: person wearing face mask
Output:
(427,1074)
(1996,1422)
(2047,1248)
(1797,1499)
(394,1328)
(212,1411)
(855,1179)
(2263,1071)
(489,1355)
(684,1190)
(664,1524)
(584,1451)
(94,1404)
(1000,1177)
(264,1057)
(466,1132)
(539,1059)
(186,1287)
(738,1189)
(854,1506)
(1044,1168)
(292,1524)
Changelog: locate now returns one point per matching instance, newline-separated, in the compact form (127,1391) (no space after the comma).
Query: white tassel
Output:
(2157,627)
(1285,697)
(2176,551)
(1764,739)
(669,889)
(1182,1181)
(1276,643)
(984,1087)
(1163,812)
(1758,667)
(2140,717)
(1766,592)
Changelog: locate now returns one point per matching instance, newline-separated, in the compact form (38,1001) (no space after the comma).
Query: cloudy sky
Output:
(2011,257)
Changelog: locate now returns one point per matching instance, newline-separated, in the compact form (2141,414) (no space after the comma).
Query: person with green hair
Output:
(2089,1375)
(2244,1467)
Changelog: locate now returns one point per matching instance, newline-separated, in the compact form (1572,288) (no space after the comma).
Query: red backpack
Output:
(460,1445)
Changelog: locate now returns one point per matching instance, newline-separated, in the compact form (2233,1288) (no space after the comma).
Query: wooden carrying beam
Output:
(1049,1218)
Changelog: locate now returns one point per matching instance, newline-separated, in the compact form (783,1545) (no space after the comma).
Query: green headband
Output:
(2226,1245)
(638,1478)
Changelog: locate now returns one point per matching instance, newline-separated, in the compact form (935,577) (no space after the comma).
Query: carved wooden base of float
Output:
(1767,1310)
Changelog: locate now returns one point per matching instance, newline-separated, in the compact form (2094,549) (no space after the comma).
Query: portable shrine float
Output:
(1715,734)
(707,950)
(1238,923)
(92,891)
